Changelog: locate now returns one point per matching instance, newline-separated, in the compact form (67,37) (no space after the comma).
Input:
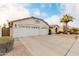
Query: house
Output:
(61,29)
(30,26)
(54,28)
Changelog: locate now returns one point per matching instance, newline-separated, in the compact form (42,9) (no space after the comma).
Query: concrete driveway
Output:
(51,45)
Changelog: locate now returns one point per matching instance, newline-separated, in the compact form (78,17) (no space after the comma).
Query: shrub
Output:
(6,44)
(49,32)
(59,32)
(74,30)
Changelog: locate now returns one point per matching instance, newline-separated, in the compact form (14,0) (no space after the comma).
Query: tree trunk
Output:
(56,30)
(65,28)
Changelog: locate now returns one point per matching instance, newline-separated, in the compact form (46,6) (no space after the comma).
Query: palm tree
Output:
(66,19)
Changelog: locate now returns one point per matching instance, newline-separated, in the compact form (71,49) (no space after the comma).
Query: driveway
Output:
(51,45)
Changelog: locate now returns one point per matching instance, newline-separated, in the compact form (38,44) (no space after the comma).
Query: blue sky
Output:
(50,12)
(48,8)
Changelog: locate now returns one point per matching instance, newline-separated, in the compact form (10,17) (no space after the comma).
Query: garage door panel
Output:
(29,31)
(44,32)
(22,32)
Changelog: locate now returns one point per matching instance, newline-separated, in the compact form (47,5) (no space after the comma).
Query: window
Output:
(26,26)
(38,27)
(15,25)
(43,28)
(34,27)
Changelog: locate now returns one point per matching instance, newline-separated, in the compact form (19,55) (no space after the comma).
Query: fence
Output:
(5,31)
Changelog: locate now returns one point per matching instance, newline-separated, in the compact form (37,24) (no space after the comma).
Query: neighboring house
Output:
(54,28)
(61,29)
(30,26)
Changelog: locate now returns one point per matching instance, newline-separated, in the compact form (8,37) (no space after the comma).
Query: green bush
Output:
(59,32)
(4,40)
(74,30)
(49,32)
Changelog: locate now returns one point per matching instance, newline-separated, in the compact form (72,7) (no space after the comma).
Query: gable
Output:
(30,20)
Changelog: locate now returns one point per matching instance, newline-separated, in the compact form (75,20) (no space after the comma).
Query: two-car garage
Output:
(30,26)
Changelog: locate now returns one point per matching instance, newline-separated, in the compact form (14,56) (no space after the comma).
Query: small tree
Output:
(66,19)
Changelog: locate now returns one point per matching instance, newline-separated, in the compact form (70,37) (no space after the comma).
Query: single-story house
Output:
(54,28)
(30,26)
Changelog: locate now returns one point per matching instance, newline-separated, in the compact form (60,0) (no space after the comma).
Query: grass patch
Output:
(5,39)
(6,44)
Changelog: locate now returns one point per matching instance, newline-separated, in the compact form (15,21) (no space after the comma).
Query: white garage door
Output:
(43,31)
(22,32)
(29,31)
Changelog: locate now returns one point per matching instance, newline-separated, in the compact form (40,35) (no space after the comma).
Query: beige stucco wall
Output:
(31,21)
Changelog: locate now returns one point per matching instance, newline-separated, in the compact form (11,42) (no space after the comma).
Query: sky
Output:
(50,12)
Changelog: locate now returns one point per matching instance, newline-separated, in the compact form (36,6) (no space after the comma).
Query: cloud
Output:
(38,13)
(53,20)
(26,4)
(12,12)
(17,11)
(44,15)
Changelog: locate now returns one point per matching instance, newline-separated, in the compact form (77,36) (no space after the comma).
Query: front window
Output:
(15,25)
